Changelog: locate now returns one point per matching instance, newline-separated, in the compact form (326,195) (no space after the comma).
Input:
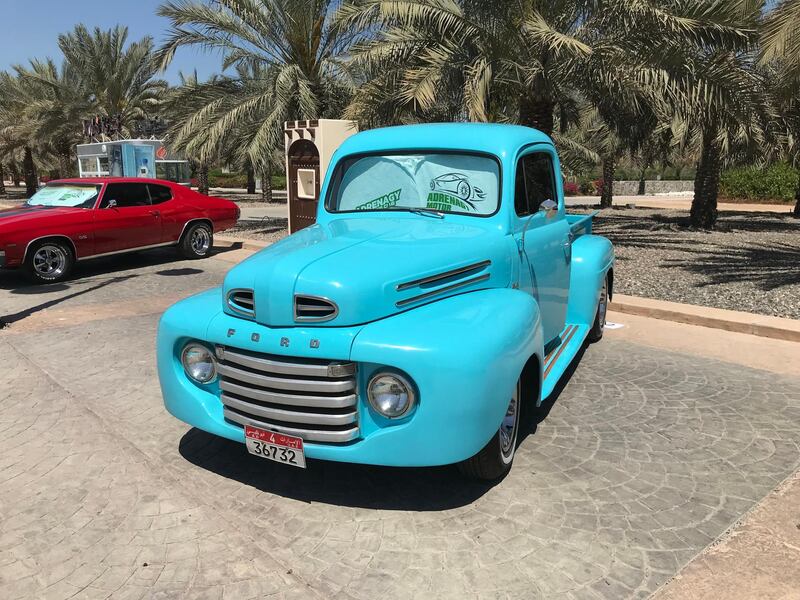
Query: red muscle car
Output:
(74,219)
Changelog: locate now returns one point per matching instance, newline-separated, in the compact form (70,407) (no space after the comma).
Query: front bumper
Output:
(463,379)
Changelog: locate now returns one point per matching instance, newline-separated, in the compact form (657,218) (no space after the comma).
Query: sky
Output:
(30,29)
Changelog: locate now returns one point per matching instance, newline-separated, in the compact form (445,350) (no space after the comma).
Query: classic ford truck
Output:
(442,290)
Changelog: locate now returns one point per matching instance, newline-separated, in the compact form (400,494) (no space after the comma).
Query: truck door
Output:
(543,234)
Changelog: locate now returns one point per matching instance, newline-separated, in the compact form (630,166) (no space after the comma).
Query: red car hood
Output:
(24,214)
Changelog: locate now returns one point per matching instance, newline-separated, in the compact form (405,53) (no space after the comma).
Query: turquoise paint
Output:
(463,349)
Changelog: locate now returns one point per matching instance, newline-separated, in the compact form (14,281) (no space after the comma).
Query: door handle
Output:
(155,213)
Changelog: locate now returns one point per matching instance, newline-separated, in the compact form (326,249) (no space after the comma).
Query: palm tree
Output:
(288,62)
(16,96)
(780,50)
(117,78)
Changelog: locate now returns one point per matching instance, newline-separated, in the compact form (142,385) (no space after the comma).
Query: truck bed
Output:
(581,224)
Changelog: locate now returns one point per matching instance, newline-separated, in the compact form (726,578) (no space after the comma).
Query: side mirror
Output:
(549,207)
(111,204)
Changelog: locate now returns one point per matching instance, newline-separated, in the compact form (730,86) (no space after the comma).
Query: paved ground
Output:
(645,457)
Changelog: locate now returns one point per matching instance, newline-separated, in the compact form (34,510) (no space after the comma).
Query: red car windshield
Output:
(72,195)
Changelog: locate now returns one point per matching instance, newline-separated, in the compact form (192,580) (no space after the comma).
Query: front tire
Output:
(596,332)
(196,241)
(495,459)
(49,261)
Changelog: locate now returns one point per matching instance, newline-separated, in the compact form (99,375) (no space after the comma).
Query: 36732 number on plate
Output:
(279,447)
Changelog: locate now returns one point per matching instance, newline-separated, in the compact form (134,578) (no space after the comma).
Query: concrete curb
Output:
(705,316)
(246,243)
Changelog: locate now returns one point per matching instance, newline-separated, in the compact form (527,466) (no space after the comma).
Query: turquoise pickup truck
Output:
(442,290)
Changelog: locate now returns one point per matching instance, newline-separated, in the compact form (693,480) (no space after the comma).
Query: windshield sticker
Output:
(454,189)
(387,201)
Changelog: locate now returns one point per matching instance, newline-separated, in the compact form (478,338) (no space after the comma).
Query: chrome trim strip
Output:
(442,290)
(127,250)
(288,399)
(315,309)
(280,383)
(438,277)
(290,416)
(311,435)
(272,366)
(239,309)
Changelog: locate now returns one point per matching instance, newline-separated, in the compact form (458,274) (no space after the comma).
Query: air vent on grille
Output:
(314,308)
(242,302)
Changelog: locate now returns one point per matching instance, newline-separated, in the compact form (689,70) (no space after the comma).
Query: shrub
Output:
(571,188)
(587,187)
(777,182)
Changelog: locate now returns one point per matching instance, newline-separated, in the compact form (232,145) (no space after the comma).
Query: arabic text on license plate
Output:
(281,448)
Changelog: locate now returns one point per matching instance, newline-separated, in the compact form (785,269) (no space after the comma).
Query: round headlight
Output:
(199,363)
(390,394)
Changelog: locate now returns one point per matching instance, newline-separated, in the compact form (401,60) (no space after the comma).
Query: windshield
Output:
(65,194)
(454,183)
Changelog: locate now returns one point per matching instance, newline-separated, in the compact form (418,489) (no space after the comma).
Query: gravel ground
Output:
(268,229)
(751,262)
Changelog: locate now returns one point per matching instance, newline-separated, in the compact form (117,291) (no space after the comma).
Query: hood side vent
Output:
(445,277)
(242,302)
(443,290)
(314,309)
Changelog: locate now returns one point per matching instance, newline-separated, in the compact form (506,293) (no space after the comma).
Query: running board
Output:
(559,358)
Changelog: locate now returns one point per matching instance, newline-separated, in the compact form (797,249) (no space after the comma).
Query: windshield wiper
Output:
(428,212)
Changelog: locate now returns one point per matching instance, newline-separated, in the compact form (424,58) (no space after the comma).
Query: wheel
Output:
(464,190)
(495,459)
(49,262)
(596,332)
(196,241)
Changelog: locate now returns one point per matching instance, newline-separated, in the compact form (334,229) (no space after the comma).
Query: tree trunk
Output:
(30,173)
(266,185)
(640,191)
(706,185)
(65,164)
(251,180)
(14,173)
(536,113)
(607,186)
(796,211)
(202,179)
(2,180)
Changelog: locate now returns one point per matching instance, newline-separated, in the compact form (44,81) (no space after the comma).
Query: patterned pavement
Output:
(644,458)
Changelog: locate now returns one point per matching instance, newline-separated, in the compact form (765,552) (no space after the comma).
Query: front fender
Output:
(592,257)
(465,355)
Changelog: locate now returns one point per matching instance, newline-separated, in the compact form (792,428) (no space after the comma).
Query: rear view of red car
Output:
(76,219)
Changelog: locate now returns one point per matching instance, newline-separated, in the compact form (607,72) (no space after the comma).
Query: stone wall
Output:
(630,188)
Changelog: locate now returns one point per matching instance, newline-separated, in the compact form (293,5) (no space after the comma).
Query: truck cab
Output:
(442,289)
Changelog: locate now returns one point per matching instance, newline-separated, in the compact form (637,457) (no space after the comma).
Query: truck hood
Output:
(23,214)
(369,268)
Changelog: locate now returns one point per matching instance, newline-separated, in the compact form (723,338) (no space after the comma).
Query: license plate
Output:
(281,448)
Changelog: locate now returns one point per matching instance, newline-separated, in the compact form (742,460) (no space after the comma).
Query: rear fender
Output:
(592,258)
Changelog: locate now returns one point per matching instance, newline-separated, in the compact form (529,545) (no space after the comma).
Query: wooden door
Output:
(303,193)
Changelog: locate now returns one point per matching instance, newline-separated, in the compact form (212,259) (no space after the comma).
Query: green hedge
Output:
(216,178)
(777,182)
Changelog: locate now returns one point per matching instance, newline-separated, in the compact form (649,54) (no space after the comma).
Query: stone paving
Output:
(644,458)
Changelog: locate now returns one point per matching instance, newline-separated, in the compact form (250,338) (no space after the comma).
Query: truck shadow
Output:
(341,484)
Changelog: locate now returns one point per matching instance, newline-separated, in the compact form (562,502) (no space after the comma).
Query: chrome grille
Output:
(309,398)
(242,302)
(314,308)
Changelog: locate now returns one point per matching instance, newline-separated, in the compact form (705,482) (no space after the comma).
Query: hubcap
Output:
(49,262)
(602,308)
(508,429)
(201,240)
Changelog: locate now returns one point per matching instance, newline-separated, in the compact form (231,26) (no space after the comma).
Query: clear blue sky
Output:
(31,27)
